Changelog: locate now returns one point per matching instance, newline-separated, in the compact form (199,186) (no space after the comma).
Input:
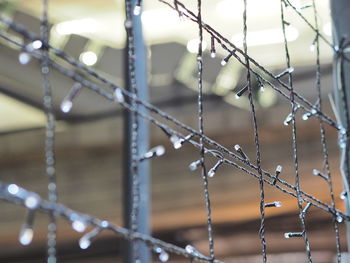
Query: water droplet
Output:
(163,256)
(66,106)
(137,10)
(26,236)
(79,225)
(24,58)
(13,189)
(84,243)
(31,202)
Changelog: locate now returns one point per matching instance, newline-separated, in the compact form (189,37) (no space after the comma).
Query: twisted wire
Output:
(270,177)
(256,139)
(294,143)
(49,136)
(164,115)
(129,26)
(60,210)
(201,131)
(323,134)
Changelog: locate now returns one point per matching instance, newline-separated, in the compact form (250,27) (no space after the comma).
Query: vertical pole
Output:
(340,10)
(142,147)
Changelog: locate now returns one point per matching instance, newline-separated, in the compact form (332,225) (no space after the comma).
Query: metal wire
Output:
(204,143)
(50,136)
(256,139)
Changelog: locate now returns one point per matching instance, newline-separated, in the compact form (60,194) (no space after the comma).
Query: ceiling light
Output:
(266,37)
(234,9)
(79,26)
(89,58)
(327,29)
(193,45)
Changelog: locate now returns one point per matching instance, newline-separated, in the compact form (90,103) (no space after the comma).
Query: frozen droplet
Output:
(287,235)
(213,55)
(278,203)
(37,44)
(279,169)
(13,189)
(84,243)
(343,195)
(163,256)
(194,165)
(160,150)
(24,58)
(79,225)
(137,10)
(190,249)
(176,141)
(31,202)
(104,224)
(339,219)
(288,119)
(211,173)
(305,116)
(119,96)
(26,236)
(66,106)
(223,62)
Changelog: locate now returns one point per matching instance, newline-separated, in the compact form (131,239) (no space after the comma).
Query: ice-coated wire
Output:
(294,142)
(256,139)
(290,189)
(129,26)
(149,106)
(232,49)
(218,37)
(59,210)
(323,134)
(247,166)
(201,131)
(49,135)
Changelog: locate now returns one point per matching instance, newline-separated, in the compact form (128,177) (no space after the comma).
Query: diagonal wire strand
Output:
(256,140)
(294,143)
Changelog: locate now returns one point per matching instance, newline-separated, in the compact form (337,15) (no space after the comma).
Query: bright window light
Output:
(327,29)
(192,45)
(89,58)
(266,37)
(79,26)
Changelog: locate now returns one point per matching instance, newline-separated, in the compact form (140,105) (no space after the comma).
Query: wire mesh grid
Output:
(180,133)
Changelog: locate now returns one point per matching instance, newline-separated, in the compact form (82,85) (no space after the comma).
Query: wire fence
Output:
(39,48)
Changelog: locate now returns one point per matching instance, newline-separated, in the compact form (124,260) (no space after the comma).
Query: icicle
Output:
(194,165)
(274,204)
(285,72)
(241,92)
(296,234)
(277,173)
(26,233)
(213,170)
(67,102)
(240,151)
(212,49)
(154,152)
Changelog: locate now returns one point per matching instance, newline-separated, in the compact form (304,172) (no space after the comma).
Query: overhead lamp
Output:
(89,58)
(79,26)
(266,37)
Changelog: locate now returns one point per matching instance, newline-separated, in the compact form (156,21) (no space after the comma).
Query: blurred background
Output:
(89,143)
